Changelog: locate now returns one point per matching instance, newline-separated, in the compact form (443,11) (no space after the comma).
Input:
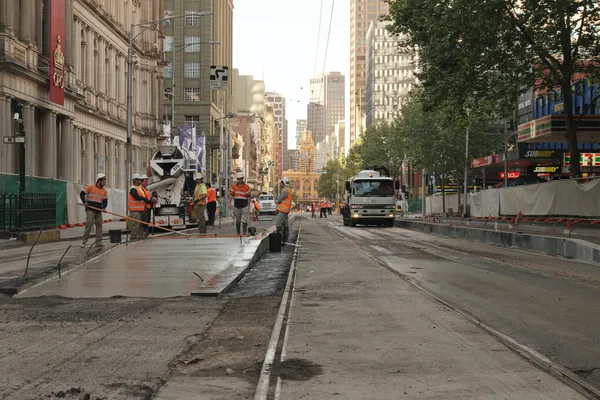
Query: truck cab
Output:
(267,204)
(370,199)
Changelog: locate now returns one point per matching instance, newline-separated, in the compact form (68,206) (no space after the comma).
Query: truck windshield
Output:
(377,188)
(264,198)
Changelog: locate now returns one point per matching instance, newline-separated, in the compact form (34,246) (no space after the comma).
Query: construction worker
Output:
(256,206)
(329,206)
(284,207)
(313,209)
(211,203)
(94,196)
(323,207)
(240,193)
(200,200)
(148,210)
(136,202)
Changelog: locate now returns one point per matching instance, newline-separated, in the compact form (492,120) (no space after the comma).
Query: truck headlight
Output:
(392,207)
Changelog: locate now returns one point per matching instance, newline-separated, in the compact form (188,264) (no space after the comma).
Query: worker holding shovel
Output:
(95,199)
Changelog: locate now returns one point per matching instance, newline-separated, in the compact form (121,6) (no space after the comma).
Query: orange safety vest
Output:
(256,205)
(94,194)
(212,194)
(240,192)
(286,205)
(133,204)
(148,196)
(323,204)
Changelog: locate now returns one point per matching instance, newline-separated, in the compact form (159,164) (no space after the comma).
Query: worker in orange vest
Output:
(97,197)
(284,207)
(211,203)
(256,205)
(240,194)
(136,202)
(146,216)
(323,206)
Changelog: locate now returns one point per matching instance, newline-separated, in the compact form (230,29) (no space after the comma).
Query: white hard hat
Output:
(198,176)
(144,176)
(135,177)
(100,176)
(239,175)
(285,181)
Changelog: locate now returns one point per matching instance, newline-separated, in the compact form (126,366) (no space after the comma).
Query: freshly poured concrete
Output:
(157,268)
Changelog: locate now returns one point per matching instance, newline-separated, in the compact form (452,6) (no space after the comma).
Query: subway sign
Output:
(540,153)
(543,169)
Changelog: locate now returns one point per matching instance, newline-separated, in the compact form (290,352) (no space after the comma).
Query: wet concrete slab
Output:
(159,268)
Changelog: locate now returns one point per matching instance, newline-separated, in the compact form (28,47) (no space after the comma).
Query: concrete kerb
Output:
(576,249)
(261,249)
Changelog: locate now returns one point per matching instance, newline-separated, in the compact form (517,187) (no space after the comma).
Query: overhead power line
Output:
(326,48)
(318,39)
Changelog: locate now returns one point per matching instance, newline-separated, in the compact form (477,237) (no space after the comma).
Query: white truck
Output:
(172,182)
(267,204)
(370,199)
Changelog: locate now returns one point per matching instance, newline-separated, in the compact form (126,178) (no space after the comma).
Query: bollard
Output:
(275,242)
(115,235)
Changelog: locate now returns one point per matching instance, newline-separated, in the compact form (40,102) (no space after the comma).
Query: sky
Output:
(276,40)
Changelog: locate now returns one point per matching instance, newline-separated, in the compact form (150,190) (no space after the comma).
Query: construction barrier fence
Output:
(9,184)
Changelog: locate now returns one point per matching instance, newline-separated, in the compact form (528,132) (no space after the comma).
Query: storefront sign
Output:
(540,154)
(485,161)
(585,160)
(57,55)
(543,169)
(511,174)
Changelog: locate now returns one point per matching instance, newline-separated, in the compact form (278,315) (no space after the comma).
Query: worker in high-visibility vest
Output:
(96,196)
(240,193)
(211,203)
(323,207)
(146,216)
(136,202)
(284,207)
(200,200)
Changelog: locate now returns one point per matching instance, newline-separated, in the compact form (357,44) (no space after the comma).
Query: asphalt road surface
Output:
(549,304)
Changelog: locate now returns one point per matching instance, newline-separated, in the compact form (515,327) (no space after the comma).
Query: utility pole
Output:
(466,171)
(505,155)
(21,133)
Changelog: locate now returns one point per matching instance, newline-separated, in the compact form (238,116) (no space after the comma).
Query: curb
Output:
(569,248)
(260,250)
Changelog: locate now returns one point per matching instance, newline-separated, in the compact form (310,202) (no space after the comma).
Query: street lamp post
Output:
(132,37)
(226,155)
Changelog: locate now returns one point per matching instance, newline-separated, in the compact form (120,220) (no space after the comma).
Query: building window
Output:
(192,18)
(192,70)
(192,44)
(168,43)
(168,94)
(191,94)
(192,119)
(169,70)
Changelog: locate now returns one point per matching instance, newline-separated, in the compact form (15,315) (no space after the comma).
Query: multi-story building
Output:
(300,128)
(307,152)
(278,103)
(248,94)
(65,62)
(192,45)
(326,103)
(291,160)
(362,13)
(340,140)
(389,74)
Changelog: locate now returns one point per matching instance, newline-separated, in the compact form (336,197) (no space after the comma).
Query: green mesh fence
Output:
(10,184)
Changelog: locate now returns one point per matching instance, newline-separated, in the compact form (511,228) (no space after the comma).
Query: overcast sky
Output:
(277,40)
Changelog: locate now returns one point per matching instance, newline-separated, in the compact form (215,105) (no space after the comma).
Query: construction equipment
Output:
(172,183)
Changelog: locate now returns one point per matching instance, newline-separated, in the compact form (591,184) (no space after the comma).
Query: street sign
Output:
(219,75)
(14,139)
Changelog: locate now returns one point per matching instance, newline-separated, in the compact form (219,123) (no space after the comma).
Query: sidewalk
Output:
(357,331)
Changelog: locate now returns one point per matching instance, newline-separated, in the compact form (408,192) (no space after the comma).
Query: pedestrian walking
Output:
(200,201)
(94,196)
(313,209)
(211,203)
(240,193)
(323,207)
(136,202)
(284,206)
(329,206)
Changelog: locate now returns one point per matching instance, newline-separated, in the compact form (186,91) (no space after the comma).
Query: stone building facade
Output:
(87,133)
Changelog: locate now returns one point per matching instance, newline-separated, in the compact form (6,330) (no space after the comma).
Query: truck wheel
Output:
(352,223)
(390,223)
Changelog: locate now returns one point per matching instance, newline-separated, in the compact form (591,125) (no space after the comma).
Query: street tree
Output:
(479,55)
(332,181)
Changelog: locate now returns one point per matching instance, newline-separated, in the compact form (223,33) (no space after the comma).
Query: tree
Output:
(332,180)
(480,55)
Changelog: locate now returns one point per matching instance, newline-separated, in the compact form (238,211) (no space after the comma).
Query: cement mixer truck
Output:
(172,183)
